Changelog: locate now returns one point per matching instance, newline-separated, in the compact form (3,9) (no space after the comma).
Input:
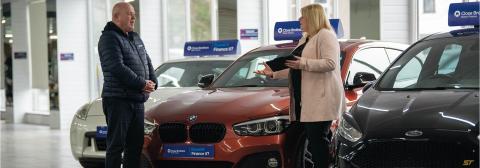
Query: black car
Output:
(422,112)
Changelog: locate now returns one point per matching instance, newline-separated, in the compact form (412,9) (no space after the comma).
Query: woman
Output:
(316,88)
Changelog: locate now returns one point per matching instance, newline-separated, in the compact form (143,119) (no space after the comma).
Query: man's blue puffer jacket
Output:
(125,64)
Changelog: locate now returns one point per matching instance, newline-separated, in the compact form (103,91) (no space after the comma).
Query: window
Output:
(187,74)
(371,60)
(392,54)
(200,19)
(428,6)
(241,73)
(449,60)
(447,63)
(408,75)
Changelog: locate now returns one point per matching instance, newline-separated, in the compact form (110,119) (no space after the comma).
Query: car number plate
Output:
(188,151)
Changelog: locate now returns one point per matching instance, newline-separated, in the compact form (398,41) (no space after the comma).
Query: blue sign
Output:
(188,151)
(66,56)
(101,132)
(464,14)
(20,55)
(249,34)
(287,31)
(212,48)
(291,30)
(337,26)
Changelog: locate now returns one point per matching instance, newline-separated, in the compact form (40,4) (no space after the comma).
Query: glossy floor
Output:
(26,146)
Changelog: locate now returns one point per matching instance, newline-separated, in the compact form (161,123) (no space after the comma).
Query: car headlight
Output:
(261,127)
(83,111)
(149,126)
(347,131)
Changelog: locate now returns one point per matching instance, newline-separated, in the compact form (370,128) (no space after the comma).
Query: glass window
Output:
(187,74)
(449,60)
(409,74)
(392,54)
(428,6)
(436,64)
(176,28)
(241,73)
(371,60)
(201,20)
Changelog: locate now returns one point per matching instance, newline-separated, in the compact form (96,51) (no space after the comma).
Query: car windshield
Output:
(448,63)
(187,73)
(241,73)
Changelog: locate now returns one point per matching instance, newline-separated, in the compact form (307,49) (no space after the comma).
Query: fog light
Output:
(272,162)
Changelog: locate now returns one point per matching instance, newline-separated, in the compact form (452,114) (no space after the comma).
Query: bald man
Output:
(128,80)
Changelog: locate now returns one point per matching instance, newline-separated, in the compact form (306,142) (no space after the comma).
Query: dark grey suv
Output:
(422,112)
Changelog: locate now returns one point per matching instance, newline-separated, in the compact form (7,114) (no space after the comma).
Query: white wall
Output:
(39,56)
(394,21)
(430,23)
(72,75)
(22,93)
(249,16)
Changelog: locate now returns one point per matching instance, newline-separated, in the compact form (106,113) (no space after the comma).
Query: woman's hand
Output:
(267,71)
(294,64)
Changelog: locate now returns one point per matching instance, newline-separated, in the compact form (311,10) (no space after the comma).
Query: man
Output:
(128,79)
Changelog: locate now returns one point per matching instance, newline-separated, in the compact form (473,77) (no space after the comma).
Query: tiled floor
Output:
(28,146)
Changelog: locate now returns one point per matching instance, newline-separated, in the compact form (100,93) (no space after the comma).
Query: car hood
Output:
(157,96)
(223,105)
(388,113)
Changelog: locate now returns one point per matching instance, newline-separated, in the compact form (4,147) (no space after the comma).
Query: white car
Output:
(87,131)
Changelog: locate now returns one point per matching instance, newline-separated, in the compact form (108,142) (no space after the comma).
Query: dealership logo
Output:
(192,118)
(189,48)
(457,13)
(414,133)
(466,14)
(280,30)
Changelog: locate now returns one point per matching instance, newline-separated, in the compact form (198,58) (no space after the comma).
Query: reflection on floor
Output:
(26,146)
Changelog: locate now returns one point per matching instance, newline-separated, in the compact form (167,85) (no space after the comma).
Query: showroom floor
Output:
(26,146)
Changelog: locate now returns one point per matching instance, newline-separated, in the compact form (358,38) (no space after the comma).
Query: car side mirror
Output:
(206,80)
(361,79)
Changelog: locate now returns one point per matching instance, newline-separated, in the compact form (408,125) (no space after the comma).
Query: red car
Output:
(241,119)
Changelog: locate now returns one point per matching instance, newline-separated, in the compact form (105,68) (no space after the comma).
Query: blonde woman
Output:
(316,88)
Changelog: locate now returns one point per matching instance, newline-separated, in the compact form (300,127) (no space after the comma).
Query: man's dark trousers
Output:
(125,131)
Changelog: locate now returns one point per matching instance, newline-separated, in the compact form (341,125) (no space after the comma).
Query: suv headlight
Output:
(82,113)
(149,126)
(262,127)
(347,131)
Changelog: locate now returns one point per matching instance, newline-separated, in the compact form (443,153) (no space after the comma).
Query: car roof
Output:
(344,43)
(453,34)
(190,59)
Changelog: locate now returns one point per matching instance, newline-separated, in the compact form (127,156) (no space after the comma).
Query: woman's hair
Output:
(316,19)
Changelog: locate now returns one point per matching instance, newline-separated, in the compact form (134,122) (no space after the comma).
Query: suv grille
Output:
(416,154)
(199,133)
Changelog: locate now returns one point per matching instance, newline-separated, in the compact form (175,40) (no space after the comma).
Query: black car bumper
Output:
(406,153)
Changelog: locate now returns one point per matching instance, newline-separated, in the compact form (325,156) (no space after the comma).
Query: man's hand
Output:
(149,86)
(267,71)
(294,64)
